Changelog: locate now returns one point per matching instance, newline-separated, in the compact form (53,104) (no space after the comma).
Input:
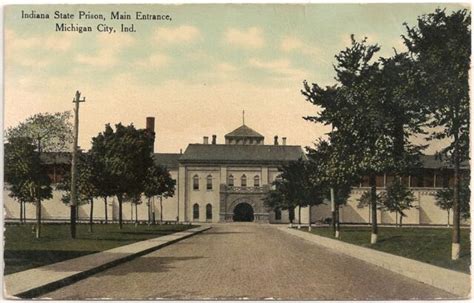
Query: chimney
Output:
(283,141)
(205,140)
(150,126)
(214,139)
(276,140)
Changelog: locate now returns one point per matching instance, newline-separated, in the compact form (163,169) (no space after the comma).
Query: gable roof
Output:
(226,153)
(244,131)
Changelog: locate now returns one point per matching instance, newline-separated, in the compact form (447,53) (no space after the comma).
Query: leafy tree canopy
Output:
(48,132)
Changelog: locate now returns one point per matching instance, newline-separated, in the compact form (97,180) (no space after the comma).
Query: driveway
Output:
(247,260)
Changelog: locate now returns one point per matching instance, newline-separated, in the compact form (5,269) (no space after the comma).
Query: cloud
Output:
(154,61)
(292,44)
(251,38)
(280,64)
(109,47)
(281,69)
(33,63)
(59,42)
(120,41)
(180,34)
(226,67)
(103,58)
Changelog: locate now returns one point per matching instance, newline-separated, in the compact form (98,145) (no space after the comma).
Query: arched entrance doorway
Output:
(243,212)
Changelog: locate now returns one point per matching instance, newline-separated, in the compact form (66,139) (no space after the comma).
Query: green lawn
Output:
(429,245)
(24,251)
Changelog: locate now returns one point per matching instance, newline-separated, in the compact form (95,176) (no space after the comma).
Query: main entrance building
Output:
(227,182)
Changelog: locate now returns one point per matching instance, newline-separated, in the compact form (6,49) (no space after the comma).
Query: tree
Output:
(125,155)
(48,133)
(372,113)
(398,198)
(440,45)
(352,108)
(87,188)
(158,182)
(25,174)
(333,172)
(444,199)
(278,198)
(295,187)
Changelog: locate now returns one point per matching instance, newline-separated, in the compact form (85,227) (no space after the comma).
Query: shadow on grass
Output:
(20,260)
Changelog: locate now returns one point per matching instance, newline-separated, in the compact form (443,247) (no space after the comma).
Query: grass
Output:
(429,245)
(23,251)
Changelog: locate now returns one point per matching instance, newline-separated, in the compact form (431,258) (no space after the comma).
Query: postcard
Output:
(237,151)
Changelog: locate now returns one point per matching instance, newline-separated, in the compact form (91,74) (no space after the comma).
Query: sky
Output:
(196,73)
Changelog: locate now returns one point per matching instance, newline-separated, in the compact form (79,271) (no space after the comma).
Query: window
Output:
(243,181)
(428,178)
(196,211)
(209,182)
(380,181)
(208,211)
(230,182)
(256,181)
(277,214)
(196,182)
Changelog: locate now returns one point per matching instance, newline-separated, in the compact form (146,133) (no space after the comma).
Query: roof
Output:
(56,157)
(433,162)
(241,153)
(168,160)
(238,153)
(244,131)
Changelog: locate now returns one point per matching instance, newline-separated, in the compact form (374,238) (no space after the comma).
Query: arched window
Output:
(230,182)
(256,181)
(208,211)
(243,181)
(277,214)
(209,182)
(196,211)
(196,182)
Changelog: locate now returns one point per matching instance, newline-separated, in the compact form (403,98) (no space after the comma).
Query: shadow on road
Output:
(147,264)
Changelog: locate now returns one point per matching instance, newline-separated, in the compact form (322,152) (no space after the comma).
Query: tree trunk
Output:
(373,204)
(396,218)
(448,218)
(336,211)
(149,210)
(38,218)
(299,217)
(24,212)
(309,219)
(161,209)
(291,215)
(91,217)
(119,198)
(153,211)
(456,241)
(21,212)
(401,220)
(105,210)
(136,214)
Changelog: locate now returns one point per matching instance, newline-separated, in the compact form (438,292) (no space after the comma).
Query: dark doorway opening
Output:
(243,212)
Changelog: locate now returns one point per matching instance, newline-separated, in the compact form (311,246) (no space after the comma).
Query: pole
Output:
(333,211)
(76,100)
